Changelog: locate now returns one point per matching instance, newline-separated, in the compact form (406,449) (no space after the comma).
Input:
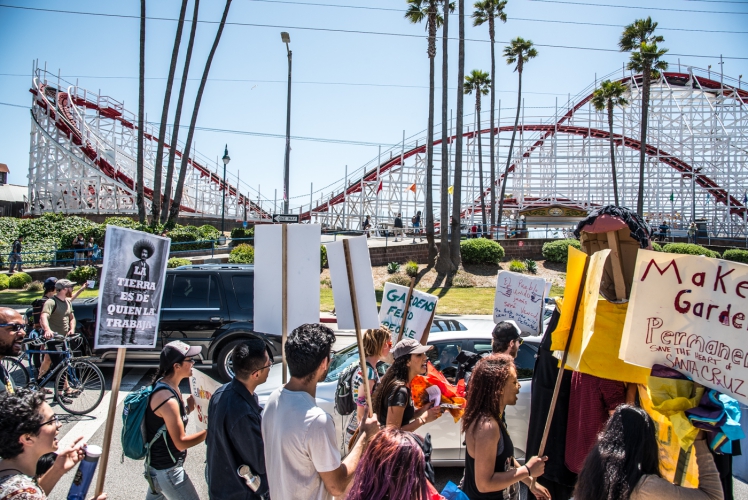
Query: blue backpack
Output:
(134,442)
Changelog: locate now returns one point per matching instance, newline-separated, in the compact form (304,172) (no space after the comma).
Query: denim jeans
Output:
(172,484)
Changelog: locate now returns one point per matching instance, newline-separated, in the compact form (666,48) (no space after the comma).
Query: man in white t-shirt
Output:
(301,455)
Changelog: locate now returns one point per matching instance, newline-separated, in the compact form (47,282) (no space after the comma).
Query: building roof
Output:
(4,168)
(12,192)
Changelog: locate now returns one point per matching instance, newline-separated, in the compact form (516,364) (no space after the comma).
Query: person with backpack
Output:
(377,346)
(165,421)
(15,255)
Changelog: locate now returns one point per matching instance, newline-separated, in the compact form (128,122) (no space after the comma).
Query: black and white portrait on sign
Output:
(131,288)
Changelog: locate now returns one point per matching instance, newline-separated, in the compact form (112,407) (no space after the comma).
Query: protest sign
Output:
(420,312)
(364,282)
(131,287)
(689,313)
(519,298)
(202,388)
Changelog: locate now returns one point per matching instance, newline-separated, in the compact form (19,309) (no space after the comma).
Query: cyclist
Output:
(12,331)
(57,317)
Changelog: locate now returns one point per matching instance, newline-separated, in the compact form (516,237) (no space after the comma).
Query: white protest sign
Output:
(422,307)
(689,313)
(363,280)
(302,288)
(132,283)
(202,388)
(520,298)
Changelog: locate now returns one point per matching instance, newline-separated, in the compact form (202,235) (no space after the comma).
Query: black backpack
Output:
(344,403)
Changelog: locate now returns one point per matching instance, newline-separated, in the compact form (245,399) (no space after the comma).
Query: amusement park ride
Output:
(83,150)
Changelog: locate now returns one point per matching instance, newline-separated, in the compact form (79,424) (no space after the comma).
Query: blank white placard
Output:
(303,276)
(364,282)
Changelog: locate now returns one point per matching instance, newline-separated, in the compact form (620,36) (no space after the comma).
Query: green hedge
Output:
(656,247)
(736,255)
(323,257)
(18,281)
(481,251)
(557,251)
(242,254)
(689,249)
(177,261)
(83,273)
(240,232)
(4,281)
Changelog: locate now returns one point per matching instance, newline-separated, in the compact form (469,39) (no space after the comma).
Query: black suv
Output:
(207,305)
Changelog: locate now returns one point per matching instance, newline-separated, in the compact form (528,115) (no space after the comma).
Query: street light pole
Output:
(226,159)
(287,39)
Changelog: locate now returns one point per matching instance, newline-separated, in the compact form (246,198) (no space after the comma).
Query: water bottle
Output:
(84,474)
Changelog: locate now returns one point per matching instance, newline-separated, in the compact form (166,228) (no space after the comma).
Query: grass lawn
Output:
(26,297)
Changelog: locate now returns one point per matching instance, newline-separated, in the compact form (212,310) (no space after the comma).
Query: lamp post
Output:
(287,39)
(226,159)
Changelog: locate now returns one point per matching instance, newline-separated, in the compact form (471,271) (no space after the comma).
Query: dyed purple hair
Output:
(392,468)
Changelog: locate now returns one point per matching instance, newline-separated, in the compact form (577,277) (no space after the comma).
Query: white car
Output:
(446,436)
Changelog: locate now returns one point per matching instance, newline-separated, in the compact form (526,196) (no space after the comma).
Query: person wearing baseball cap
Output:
(392,400)
(166,475)
(505,338)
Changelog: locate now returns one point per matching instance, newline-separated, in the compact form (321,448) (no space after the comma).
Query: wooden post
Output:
(615,256)
(357,326)
(113,394)
(284,299)
(405,310)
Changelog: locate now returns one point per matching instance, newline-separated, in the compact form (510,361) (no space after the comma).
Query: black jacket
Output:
(234,439)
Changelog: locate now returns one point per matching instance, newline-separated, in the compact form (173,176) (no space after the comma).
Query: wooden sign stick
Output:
(284,299)
(113,394)
(405,311)
(357,326)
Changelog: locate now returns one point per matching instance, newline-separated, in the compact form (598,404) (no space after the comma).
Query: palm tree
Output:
(518,52)
(174,211)
(489,11)
(457,184)
(419,10)
(610,95)
(444,262)
(156,202)
(141,118)
(478,81)
(178,117)
(639,39)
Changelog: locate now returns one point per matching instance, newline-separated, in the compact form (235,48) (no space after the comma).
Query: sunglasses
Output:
(53,420)
(264,367)
(14,327)
(189,360)
(520,340)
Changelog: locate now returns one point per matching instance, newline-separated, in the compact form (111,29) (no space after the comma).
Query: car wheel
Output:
(225,365)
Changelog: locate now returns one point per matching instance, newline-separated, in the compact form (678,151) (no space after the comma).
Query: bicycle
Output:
(78,383)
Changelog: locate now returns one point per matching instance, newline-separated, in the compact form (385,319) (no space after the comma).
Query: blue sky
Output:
(360,87)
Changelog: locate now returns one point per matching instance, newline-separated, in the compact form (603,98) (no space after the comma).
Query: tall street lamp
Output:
(287,39)
(226,159)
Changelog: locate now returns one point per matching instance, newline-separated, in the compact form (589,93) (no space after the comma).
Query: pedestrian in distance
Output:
(399,227)
(491,470)
(14,259)
(12,332)
(392,399)
(165,472)
(624,464)
(367,225)
(79,250)
(416,221)
(300,443)
(506,339)
(28,431)
(234,434)
(90,251)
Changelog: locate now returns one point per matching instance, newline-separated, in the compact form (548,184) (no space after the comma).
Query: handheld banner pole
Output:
(356,323)
(284,299)
(405,310)
(114,394)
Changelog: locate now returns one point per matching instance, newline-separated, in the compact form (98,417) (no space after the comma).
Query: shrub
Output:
(736,255)
(517,266)
(393,267)
(19,280)
(532,266)
(242,254)
(557,251)
(399,279)
(689,249)
(181,234)
(4,281)
(83,273)
(35,286)
(178,261)
(656,247)
(323,257)
(481,251)
(461,279)
(208,232)
(411,268)
(240,232)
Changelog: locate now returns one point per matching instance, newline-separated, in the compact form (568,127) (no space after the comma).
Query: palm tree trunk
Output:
(612,153)
(178,117)
(480,163)
(430,142)
(141,119)
(646,78)
(158,169)
(511,143)
(492,136)
(174,211)
(444,262)
(457,184)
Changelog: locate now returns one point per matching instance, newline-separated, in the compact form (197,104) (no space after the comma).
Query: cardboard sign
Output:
(363,279)
(689,313)
(422,307)
(132,284)
(303,265)
(519,298)
(202,388)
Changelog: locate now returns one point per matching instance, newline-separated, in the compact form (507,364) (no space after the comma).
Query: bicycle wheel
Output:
(18,373)
(84,384)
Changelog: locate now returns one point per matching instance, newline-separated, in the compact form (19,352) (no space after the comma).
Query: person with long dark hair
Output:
(392,400)
(392,468)
(491,472)
(624,464)
(166,476)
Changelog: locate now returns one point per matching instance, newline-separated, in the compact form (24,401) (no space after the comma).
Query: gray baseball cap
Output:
(409,346)
(60,284)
